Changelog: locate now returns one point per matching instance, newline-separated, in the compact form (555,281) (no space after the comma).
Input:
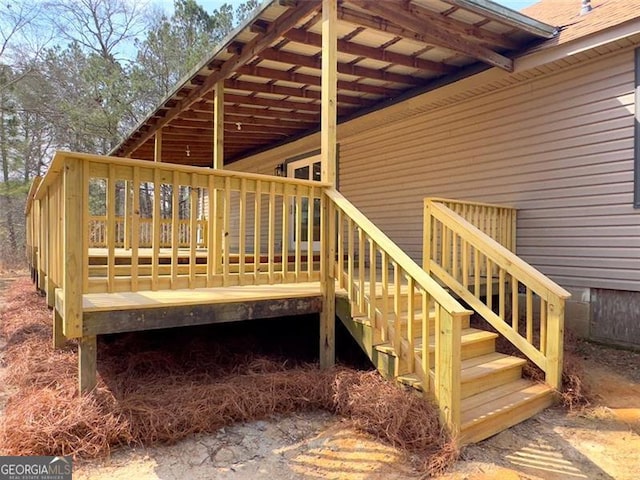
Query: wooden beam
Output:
(328,171)
(301,92)
(202,314)
(305,79)
(254,100)
(157,146)
(309,38)
(218,126)
(345,68)
(400,22)
(231,123)
(275,30)
(235,113)
(506,16)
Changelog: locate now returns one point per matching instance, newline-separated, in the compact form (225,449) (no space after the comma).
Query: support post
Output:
(328,170)
(218,164)
(58,335)
(87,359)
(555,342)
(157,146)
(73,244)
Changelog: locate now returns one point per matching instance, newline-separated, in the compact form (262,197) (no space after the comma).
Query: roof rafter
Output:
(312,80)
(315,39)
(345,68)
(276,29)
(401,22)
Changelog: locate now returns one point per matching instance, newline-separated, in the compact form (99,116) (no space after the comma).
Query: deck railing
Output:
(123,236)
(253,219)
(477,267)
(366,259)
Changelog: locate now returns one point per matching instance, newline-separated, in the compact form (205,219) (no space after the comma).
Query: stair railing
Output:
(470,263)
(366,258)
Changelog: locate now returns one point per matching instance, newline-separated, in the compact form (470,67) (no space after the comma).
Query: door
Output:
(306,169)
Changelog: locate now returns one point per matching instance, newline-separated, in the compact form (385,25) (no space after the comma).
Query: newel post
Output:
(555,342)
(448,364)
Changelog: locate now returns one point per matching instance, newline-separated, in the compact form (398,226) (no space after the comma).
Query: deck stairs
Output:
(495,396)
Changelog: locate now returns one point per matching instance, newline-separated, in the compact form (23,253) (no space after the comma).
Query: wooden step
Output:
(474,343)
(497,409)
(492,370)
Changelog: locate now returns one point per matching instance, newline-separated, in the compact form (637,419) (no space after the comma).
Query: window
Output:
(636,133)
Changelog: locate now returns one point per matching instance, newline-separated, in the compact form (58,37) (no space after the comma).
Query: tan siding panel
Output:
(561,143)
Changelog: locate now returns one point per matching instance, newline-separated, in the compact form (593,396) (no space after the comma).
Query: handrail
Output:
(423,279)
(467,260)
(57,164)
(500,255)
(365,257)
(497,221)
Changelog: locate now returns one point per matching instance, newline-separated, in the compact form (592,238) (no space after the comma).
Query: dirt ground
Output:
(602,442)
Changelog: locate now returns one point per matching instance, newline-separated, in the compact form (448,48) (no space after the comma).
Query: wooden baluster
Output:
(85,226)
(242,231)
(175,229)
(212,242)
(257,232)
(466,260)
(455,272)
(310,224)
(425,360)
(111,228)
(135,229)
(515,314)
(411,310)
(385,295)
(529,316)
(155,237)
(372,290)
(397,310)
(340,259)
(502,300)
(446,249)
(477,259)
(226,230)
(361,273)
(298,226)
(272,232)
(489,285)
(193,235)
(350,260)
(286,205)
(543,326)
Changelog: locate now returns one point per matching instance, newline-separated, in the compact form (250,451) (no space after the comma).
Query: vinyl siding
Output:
(558,147)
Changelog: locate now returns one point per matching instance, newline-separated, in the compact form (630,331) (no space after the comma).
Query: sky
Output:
(210,5)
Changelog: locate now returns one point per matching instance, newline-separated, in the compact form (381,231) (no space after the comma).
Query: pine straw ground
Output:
(154,389)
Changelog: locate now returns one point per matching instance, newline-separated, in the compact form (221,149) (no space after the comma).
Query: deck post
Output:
(73,245)
(328,154)
(87,359)
(218,164)
(58,334)
(426,237)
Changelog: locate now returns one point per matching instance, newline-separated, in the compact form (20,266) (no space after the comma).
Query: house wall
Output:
(559,147)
